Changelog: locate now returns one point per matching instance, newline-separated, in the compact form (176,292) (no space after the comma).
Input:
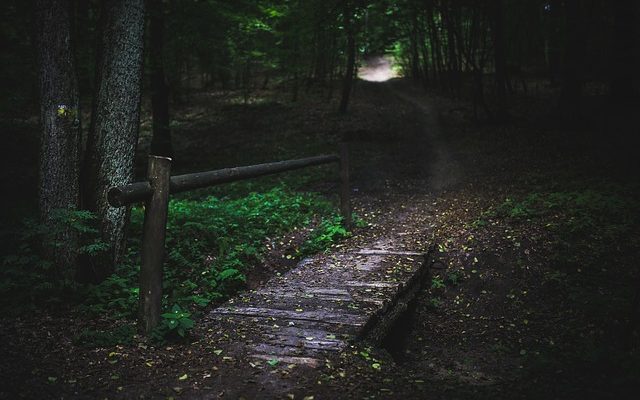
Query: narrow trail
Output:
(311,314)
(409,156)
(442,170)
(429,165)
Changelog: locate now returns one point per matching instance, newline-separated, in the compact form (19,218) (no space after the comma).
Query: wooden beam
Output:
(345,189)
(141,191)
(154,231)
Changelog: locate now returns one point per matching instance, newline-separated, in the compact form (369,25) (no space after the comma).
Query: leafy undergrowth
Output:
(545,279)
(211,245)
(530,298)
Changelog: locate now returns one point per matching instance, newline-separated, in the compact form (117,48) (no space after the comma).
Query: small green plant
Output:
(435,302)
(359,222)
(437,283)
(523,209)
(116,297)
(211,243)
(177,322)
(453,278)
(592,220)
(27,277)
(329,232)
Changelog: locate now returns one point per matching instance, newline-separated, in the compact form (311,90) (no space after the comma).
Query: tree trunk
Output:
(625,46)
(413,40)
(435,48)
(571,92)
(452,62)
(500,58)
(161,140)
(351,58)
(115,121)
(60,123)
(425,54)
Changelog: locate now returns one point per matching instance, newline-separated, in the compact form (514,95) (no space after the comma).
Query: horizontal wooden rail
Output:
(155,193)
(142,191)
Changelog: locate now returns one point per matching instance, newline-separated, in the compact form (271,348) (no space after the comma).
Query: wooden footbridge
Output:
(326,302)
(303,316)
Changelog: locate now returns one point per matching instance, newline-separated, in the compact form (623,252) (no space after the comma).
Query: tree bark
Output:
(60,124)
(413,41)
(500,58)
(115,121)
(625,46)
(572,78)
(161,140)
(349,72)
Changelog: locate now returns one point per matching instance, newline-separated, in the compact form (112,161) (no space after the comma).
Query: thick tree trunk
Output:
(452,59)
(60,145)
(435,48)
(415,57)
(625,47)
(112,140)
(349,72)
(572,79)
(161,140)
(500,58)
(425,54)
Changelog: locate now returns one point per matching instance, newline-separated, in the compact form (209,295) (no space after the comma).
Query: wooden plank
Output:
(345,189)
(307,361)
(313,315)
(140,191)
(154,232)
(378,252)
(309,342)
(379,284)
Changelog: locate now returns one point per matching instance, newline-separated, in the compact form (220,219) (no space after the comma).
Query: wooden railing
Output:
(155,194)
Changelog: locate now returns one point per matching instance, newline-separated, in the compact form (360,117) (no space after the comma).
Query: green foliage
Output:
(590,221)
(329,232)
(435,302)
(437,283)
(177,322)
(454,278)
(116,297)
(211,243)
(27,277)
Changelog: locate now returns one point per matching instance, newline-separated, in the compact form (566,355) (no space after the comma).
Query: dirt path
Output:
(442,171)
(505,315)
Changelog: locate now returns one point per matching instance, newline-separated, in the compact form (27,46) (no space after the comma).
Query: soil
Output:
(501,320)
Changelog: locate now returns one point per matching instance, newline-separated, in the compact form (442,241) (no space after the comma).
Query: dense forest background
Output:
(538,100)
(585,46)
(481,51)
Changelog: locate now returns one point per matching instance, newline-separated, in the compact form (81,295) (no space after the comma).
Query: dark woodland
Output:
(320,199)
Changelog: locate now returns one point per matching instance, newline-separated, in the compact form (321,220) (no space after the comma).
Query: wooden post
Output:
(345,190)
(155,221)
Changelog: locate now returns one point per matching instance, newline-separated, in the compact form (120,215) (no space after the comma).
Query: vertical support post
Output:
(345,190)
(154,232)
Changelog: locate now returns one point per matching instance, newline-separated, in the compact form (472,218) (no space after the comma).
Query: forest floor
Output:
(531,296)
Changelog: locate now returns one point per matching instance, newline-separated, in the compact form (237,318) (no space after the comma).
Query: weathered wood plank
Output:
(319,307)
(313,315)
(378,252)
(140,191)
(308,361)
